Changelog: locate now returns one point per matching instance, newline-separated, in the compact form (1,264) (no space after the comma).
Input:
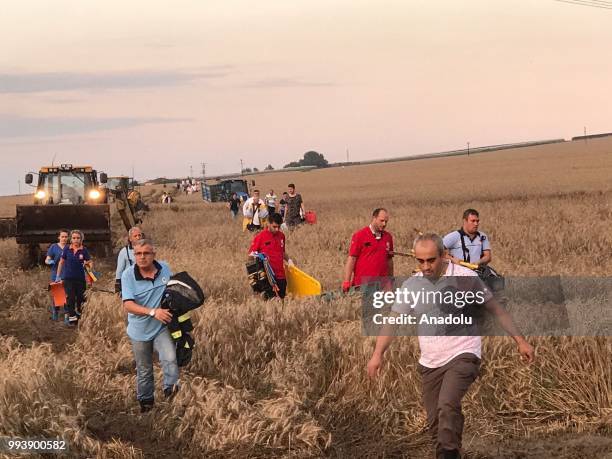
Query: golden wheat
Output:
(288,380)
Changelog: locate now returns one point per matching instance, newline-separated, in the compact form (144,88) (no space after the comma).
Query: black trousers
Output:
(282,287)
(75,292)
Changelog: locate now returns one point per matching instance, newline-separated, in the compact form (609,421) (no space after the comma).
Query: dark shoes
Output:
(170,392)
(71,321)
(449,454)
(146,405)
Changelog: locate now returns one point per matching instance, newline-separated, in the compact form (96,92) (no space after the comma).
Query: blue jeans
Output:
(143,354)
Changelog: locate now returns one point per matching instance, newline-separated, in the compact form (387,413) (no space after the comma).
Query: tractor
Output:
(66,197)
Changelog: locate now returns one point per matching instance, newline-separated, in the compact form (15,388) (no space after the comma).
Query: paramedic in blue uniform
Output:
(468,244)
(142,287)
(54,255)
(125,258)
(71,269)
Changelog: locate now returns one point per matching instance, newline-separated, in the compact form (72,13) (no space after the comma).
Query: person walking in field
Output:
(255,212)
(71,269)
(125,258)
(166,198)
(295,207)
(448,365)
(370,253)
(234,204)
(271,202)
(282,209)
(271,242)
(467,243)
(142,288)
(54,255)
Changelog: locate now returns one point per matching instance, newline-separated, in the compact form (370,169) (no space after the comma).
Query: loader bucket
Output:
(40,224)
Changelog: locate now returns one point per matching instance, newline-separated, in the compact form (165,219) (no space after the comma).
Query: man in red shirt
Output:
(371,252)
(271,242)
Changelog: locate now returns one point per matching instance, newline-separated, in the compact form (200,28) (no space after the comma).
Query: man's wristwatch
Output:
(152,313)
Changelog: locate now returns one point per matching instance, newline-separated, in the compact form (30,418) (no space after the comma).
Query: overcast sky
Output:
(162,88)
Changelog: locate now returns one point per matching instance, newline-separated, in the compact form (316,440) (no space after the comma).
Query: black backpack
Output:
(181,296)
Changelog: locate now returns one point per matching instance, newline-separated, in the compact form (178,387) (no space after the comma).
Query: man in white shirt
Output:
(448,364)
(255,212)
(271,202)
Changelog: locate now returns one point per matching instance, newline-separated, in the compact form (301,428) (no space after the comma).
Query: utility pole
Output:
(347,155)
(241,168)
(468,152)
(190,171)
(19,185)
(203,170)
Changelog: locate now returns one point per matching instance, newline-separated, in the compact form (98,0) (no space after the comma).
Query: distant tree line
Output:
(311,158)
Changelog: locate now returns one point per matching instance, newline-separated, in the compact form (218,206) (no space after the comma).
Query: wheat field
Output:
(273,380)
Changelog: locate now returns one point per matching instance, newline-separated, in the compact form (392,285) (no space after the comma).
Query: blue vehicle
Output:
(222,190)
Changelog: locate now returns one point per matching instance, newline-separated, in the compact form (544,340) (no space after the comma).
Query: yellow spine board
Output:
(92,276)
(245,222)
(301,284)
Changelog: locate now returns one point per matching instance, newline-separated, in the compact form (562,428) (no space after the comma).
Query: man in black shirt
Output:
(234,205)
(295,207)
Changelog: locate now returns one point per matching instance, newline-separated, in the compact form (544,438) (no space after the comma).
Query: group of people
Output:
(258,211)
(448,365)
(188,186)
(69,260)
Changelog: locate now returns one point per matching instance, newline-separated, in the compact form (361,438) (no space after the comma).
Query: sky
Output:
(159,87)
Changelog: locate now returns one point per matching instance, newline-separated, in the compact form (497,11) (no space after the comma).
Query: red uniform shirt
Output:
(273,246)
(372,254)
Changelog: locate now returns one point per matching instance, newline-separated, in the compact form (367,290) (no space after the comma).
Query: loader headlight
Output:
(94,194)
(40,194)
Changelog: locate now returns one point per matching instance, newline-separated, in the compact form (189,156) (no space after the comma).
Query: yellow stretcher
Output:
(246,221)
(301,284)
(90,277)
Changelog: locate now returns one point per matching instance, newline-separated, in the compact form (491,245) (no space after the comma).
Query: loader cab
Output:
(68,185)
(120,183)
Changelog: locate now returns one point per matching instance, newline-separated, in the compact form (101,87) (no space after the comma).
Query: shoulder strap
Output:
(127,252)
(482,239)
(466,252)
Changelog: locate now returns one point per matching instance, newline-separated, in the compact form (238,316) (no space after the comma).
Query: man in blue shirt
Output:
(142,287)
(468,244)
(125,259)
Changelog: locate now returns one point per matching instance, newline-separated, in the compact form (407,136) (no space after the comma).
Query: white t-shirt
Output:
(250,210)
(437,351)
(271,199)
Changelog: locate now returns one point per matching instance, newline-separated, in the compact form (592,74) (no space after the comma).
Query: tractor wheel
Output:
(29,255)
